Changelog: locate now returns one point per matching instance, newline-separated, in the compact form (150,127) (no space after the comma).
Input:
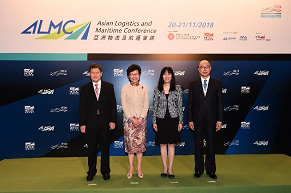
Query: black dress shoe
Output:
(171,176)
(163,175)
(106,177)
(90,177)
(197,174)
(212,175)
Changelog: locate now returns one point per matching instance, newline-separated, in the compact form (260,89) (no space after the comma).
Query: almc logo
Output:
(62,29)
(29,109)
(28,72)
(29,146)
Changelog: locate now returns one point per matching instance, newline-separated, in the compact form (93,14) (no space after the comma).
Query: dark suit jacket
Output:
(205,109)
(89,106)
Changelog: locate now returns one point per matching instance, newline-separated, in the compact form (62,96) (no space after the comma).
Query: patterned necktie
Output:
(205,84)
(96,91)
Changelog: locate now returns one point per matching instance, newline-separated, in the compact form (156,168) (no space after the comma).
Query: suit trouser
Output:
(93,139)
(209,134)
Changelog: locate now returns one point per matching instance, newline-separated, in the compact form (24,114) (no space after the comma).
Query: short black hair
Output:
(161,80)
(93,65)
(132,68)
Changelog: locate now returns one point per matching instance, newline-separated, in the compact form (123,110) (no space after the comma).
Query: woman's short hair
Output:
(132,68)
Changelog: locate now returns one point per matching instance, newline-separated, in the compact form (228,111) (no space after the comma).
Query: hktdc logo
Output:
(245,90)
(74,90)
(29,146)
(28,72)
(118,72)
(74,126)
(245,125)
(179,73)
(180,144)
(118,144)
(28,109)
(208,36)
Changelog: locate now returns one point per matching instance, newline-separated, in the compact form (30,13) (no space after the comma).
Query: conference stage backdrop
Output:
(46,48)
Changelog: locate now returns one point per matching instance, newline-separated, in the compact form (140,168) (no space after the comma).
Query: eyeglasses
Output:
(204,67)
(133,74)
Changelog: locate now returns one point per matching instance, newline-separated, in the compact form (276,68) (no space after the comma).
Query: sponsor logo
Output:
(229,38)
(74,127)
(208,36)
(86,73)
(29,146)
(261,108)
(272,12)
(28,72)
(179,73)
(118,144)
(151,144)
(187,37)
(171,36)
(180,144)
(260,143)
(261,73)
(149,72)
(59,73)
(224,90)
(46,128)
(28,109)
(245,125)
(46,91)
(118,72)
(59,30)
(260,37)
(243,38)
(231,72)
(231,108)
(60,146)
(231,143)
(74,90)
(224,126)
(58,110)
(233,33)
(119,108)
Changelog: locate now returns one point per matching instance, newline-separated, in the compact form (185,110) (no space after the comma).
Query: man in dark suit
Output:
(98,116)
(205,111)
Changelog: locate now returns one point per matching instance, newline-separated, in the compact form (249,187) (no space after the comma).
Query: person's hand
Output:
(83,129)
(191,125)
(218,125)
(155,126)
(180,127)
(111,126)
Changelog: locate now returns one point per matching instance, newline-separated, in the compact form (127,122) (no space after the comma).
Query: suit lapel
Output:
(200,89)
(101,95)
(210,86)
(92,91)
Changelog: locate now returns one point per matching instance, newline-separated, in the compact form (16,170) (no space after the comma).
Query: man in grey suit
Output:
(205,112)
